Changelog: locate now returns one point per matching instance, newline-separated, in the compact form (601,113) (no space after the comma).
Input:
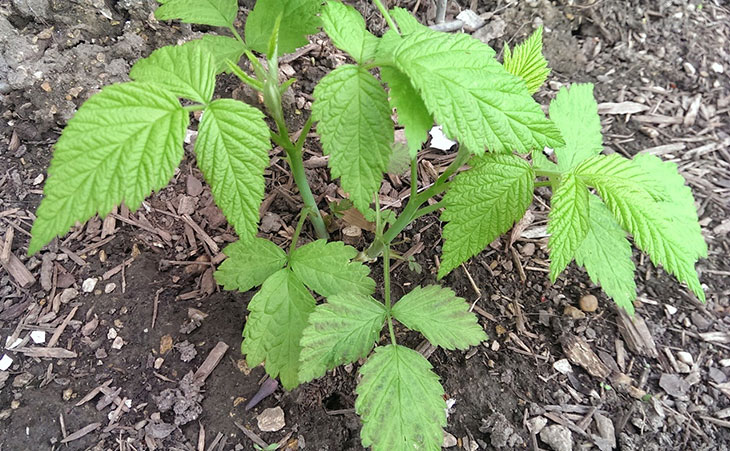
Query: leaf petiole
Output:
(386,15)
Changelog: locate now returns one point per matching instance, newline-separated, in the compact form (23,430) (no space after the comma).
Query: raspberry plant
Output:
(126,141)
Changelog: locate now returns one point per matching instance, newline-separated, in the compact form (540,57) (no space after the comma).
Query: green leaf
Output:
(400,401)
(400,159)
(216,13)
(571,107)
(122,144)
(298,20)
(606,254)
(678,202)
(273,330)
(568,222)
(249,264)
(340,331)
(221,48)
(630,194)
(327,269)
(346,27)
(185,70)
(476,100)
(233,150)
(356,129)
(406,21)
(527,61)
(540,161)
(412,113)
(483,203)
(441,316)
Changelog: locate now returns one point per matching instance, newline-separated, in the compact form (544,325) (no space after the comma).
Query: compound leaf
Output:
(412,113)
(327,269)
(187,71)
(273,330)
(483,203)
(356,129)
(631,196)
(233,151)
(476,100)
(249,264)
(572,106)
(400,401)
(527,62)
(567,222)
(222,49)
(606,254)
(441,316)
(406,21)
(216,13)
(346,27)
(340,331)
(122,144)
(298,20)
(678,202)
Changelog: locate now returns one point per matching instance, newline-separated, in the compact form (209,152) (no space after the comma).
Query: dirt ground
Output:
(130,312)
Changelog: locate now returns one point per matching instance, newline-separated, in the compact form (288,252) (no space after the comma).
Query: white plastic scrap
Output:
(38,336)
(5,362)
(12,344)
(439,140)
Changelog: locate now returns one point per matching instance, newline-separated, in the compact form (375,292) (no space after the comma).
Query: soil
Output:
(156,294)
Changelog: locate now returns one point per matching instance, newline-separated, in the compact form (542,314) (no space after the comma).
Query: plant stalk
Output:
(386,14)
(386,283)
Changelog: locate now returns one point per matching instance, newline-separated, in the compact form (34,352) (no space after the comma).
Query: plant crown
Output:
(126,141)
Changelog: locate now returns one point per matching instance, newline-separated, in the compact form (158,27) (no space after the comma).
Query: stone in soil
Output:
(673,385)
(449,440)
(588,303)
(557,437)
(271,420)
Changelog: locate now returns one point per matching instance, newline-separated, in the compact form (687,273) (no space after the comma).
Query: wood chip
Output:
(7,245)
(210,362)
(18,271)
(81,432)
(61,327)
(580,353)
(621,108)
(201,233)
(92,394)
(50,353)
(636,334)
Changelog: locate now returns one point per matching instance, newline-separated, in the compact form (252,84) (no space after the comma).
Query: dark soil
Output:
(54,55)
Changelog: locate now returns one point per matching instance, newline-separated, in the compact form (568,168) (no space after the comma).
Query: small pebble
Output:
(112,334)
(685,357)
(89,284)
(573,312)
(563,366)
(14,404)
(110,287)
(67,394)
(449,440)
(271,420)
(717,67)
(535,425)
(588,303)
(671,310)
(158,362)
(117,343)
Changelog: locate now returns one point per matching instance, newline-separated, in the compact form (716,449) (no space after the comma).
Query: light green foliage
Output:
(483,203)
(187,71)
(441,316)
(221,48)
(217,13)
(346,27)
(606,254)
(405,21)
(630,194)
(400,401)
(400,159)
(356,130)
(540,161)
(232,150)
(279,313)
(327,270)
(575,112)
(249,264)
(340,331)
(677,202)
(122,144)
(527,62)
(476,100)
(412,113)
(568,222)
(298,20)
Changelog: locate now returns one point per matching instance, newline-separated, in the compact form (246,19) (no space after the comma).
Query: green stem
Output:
(543,183)
(386,277)
(414,177)
(235,33)
(547,173)
(244,77)
(300,178)
(196,107)
(386,14)
(428,210)
(302,217)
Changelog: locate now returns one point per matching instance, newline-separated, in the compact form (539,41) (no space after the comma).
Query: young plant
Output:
(126,141)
